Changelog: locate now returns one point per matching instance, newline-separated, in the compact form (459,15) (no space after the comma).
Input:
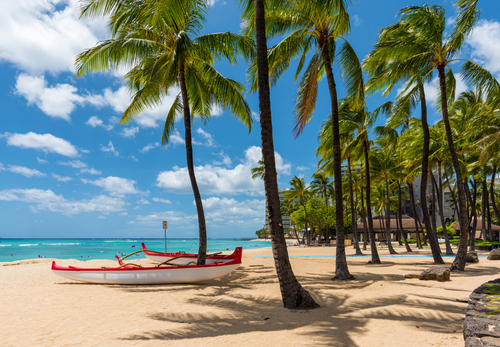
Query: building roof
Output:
(407,221)
(494,227)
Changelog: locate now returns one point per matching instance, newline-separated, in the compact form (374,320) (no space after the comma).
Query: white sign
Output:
(165,224)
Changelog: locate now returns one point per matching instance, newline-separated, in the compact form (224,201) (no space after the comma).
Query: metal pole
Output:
(165,230)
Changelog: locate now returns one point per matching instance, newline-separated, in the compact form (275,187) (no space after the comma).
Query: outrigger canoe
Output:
(135,274)
(181,258)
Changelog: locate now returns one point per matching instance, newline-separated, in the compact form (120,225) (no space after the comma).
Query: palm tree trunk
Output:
(353,215)
(292,293)
(459,262)
(452,193)
(449,251)
(371,233)
(408,249)
(433,204)
(436,254)
(341,269)
(306,224)
(365,229)
(414,212)
(492,194)
(202,250)
(484,208)
(388,217)
(473,219)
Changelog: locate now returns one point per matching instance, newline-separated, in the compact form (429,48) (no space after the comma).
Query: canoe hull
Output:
(150,275)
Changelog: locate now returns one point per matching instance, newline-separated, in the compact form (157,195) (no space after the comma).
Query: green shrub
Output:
(451,232)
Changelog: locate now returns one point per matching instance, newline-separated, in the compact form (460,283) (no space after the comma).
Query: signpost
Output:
(165,224)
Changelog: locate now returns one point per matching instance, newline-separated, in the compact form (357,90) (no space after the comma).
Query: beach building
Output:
(495,229)
(286,218)
(379,227)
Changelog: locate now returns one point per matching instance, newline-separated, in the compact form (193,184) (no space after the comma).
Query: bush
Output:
(451,232)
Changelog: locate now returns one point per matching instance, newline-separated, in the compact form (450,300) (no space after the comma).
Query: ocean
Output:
(86,249)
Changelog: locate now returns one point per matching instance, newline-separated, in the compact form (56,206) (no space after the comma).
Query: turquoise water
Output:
(20,249)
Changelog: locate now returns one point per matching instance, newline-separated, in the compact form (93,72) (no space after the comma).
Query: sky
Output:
(69,170)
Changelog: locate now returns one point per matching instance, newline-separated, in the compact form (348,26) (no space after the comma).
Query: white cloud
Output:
(47,143)
(256,116)
(56,102)
(143,202)
(116,186)
(485,42)
(225,159)
(223,209)
(130,132)
(219,180)
(149,147)
(176,138)
(91,171)
(209,140)
(45,36)
(302,168)
(110,148)
(165,201)
(173,217)
(41,161)
(61,178)
(23,170)
(77,164)
(133,158)
(47,200)
(356,20)
(94,122)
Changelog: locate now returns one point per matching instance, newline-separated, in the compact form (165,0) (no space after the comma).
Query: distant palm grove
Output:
(158,43)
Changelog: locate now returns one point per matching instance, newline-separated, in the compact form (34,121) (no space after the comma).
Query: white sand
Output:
(379,308)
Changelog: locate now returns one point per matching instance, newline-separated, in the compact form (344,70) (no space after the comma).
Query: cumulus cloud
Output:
(209,142)
(47,200)
(173,217)
(23,170)
(485,42)
(41,161)
(116,186)
(56,102)
(165,201)
(176,138)
(230,209)
(130,132)
(95,121)
(225,159)
(77,164)
(61,178)
(149,147)
(47,143)
(110,148)
(143,202)
(45,36)
(220,180)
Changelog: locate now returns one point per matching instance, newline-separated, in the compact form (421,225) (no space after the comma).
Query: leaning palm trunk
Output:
(292,293)
(449,251)
(459,262)
(388,217)
(473,219)
(341,269)
(436,253)
(408,249)
(202,250)
(414,211)
(492,194)
(353,214)
(365,229)
(484,207)
(371,232)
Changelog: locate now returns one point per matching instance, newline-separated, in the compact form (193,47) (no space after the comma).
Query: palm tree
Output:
(160,53)
(360,122)
(294,296)
(319,185)
(317,23)
(299,191)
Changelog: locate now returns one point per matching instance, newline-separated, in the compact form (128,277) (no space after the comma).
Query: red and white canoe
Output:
(131,274)
(180,258)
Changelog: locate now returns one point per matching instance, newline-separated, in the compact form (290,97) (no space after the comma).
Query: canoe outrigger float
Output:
(181,258)
(128,273)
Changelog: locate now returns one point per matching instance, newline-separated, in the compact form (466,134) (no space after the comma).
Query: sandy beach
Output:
(378,308)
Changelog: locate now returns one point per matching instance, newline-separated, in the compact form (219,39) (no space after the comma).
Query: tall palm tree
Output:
(319,185)
(360,122)
(301,192)
(318,23)
(157,44)
(294,296)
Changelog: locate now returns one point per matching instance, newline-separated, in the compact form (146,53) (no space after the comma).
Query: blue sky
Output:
(67,169)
